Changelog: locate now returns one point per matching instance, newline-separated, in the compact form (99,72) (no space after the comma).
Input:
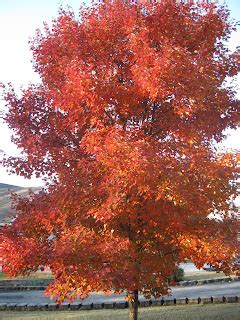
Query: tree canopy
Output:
(133,98)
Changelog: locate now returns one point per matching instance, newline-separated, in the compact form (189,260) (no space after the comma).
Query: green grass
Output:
(190,276)
(2,276)
(204,275)
(38,275)
(196,312)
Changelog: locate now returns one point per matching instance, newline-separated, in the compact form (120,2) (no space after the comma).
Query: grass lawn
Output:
(38,275)
(204,275)
(2,276)
(190,276)
(229,311)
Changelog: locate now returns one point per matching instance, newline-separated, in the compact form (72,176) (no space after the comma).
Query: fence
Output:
(116,305)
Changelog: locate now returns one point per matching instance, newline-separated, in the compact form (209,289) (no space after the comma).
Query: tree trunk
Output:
(133,305)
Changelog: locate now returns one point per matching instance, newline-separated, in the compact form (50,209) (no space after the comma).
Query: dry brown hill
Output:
(5,199)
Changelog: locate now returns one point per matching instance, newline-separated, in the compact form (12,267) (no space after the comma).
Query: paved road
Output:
(208,290)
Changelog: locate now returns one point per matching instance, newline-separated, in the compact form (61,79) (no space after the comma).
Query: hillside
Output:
(5,199)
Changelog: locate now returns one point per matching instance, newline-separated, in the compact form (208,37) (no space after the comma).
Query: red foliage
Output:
(124,124)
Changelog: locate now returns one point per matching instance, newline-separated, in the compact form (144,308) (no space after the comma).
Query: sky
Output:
(18,21)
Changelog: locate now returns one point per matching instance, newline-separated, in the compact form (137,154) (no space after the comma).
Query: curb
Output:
(201,282)
(21,288)
(31,283)
(24,285)
(116,305)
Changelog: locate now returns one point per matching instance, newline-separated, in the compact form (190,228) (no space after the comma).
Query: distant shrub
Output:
(177,276)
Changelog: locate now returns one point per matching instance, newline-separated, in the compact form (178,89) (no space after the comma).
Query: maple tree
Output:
(123,126)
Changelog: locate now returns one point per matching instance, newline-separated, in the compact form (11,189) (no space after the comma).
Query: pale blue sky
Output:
(18,21)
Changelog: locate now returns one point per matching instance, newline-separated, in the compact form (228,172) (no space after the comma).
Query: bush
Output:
(177,276)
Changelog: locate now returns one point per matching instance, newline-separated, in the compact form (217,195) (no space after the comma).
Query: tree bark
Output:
(133,305)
